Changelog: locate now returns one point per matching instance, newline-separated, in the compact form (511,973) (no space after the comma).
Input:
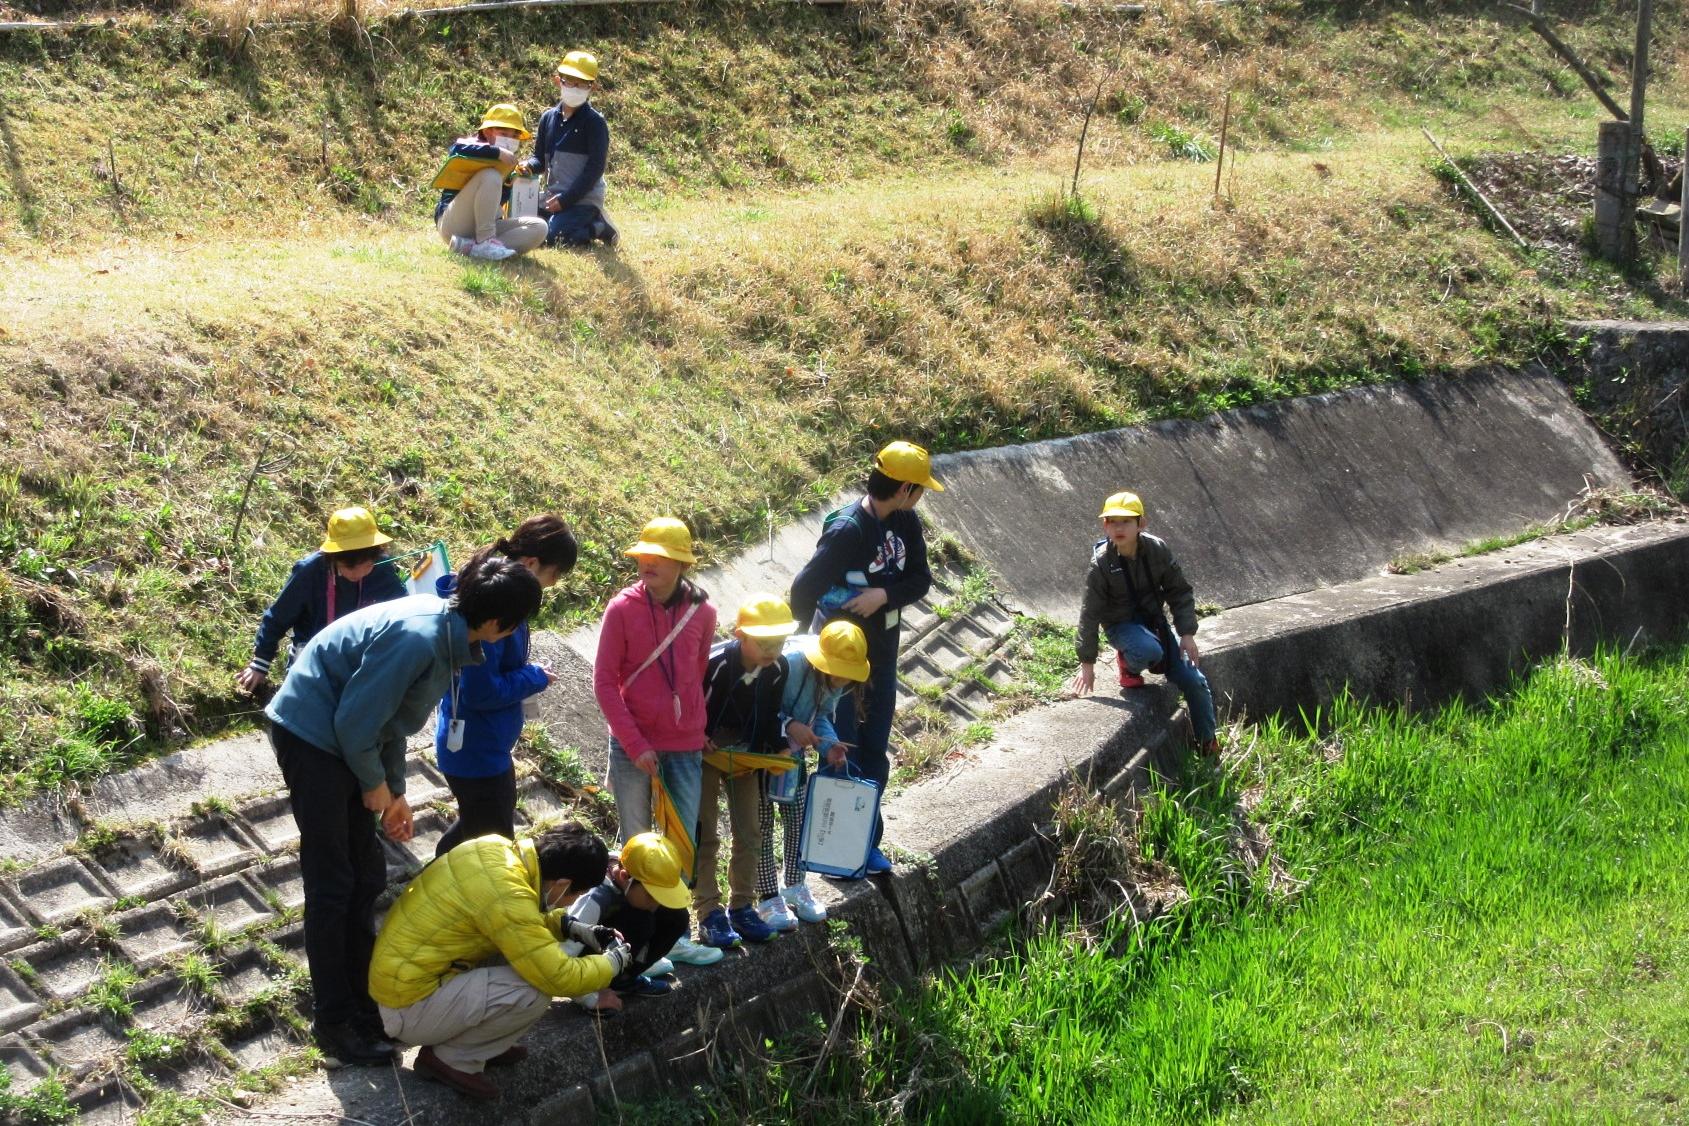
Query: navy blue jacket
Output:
(489,699)
(585,131)
(740,714)
(302,605)
(891,553)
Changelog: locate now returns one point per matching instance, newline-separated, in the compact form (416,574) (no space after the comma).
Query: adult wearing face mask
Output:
(473,192)
(571,150)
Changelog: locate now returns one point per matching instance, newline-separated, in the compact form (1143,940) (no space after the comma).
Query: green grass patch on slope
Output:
(1491,926)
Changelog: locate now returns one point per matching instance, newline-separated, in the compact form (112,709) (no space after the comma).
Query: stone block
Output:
(15,927)
(934,933)
(970,633)
(192,1073)
(18,1003)
(233,903)
(56,892)
(270,822)
(998,672)
(216,846)
(134,867)
(23,1064)
(165,1005)
(63,967)
(247,974)
(283,880)
(917,620)
(423,783)
(152,934)
(106,1102)
(568,1107)
(1026,870)
(988,900)
(542,803)
(79,1042)
(406,860)
(920,672)
(289,942)
(263,1043)
(949,656)
(629,1080)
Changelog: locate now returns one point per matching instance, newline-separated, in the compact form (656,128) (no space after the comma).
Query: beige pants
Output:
(743,798)
(470,1019)
(473,213)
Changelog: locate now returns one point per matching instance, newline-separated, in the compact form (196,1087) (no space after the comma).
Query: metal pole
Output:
(1683,221)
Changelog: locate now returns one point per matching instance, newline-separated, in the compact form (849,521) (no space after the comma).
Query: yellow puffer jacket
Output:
(481,898)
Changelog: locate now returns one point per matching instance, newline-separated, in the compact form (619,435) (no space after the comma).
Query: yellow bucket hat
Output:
(505,116)
(766,615)
(840,650)
(1122,504)
(905,461)
(350,529)
(579,64)
(667,537)
(651,859)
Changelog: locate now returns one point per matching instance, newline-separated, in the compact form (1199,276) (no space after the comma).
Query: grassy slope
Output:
(800,281)
(1494,929)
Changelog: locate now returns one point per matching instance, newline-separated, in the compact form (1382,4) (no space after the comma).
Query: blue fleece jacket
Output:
(807,699)
(369,681)
(489,700)
(302,605)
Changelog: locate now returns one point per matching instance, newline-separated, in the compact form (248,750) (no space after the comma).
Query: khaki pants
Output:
(473,213)
(744,795)
(470,1019)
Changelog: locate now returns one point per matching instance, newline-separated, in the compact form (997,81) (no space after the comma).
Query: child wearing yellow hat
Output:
(1133,580)
(648,677)
(348,571)
(473,191)
(571,149)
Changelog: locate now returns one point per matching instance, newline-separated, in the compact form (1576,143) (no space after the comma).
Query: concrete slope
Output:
(1277,500)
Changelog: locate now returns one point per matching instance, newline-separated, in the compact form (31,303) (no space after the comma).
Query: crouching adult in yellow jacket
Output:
(490,896)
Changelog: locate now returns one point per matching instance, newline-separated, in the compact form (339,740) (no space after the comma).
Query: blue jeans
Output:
(682,772)
(1140,648)
(575,225)
(871,733)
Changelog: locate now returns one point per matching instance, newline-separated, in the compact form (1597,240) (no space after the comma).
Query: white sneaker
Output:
(662,967)
(491,250)
(774,913)
(685,950)
(461,245)
(803,904)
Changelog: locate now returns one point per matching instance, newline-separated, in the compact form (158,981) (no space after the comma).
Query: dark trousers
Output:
(484,805)
(652,934)
(575,225)
(871,734)
(344,871)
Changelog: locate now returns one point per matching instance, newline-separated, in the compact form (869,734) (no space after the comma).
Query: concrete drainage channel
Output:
(166,901)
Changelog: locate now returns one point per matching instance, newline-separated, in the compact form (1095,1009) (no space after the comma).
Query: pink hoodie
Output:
(642,714)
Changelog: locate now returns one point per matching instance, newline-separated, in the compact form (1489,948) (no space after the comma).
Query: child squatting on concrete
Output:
(1132,582)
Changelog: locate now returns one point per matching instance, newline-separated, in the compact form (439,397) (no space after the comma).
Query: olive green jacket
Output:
(1155,579)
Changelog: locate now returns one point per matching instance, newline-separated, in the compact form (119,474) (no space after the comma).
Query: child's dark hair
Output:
(881,487)
(545,538)
(490,588)
(357,556)
(575,853)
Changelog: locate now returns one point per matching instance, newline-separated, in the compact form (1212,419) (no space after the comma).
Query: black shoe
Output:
(347,1045)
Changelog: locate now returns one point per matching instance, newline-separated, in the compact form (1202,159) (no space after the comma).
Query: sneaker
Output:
(717,931)
(878,863)
(491,250)
(1128,678)
(642,986)
(662,967)
(774,913)
(693,954)
(345,1045)
(749,924)
(476,1086)
(803,904)
(461,245)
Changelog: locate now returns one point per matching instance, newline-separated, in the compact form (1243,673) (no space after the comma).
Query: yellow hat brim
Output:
(576,72)
(521,134)
(1107,512)
(785,629)
(834,666)
(667,552)
(354,543)
(678,896)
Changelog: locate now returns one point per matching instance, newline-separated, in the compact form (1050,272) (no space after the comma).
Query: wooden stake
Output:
(1225,123)
(1683,221)
(1492,209)
(1583,69)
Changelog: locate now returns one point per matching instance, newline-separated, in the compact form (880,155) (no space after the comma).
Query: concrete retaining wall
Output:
(1634,377)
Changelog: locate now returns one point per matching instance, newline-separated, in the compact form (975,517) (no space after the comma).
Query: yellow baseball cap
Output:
(651,859)
(580,64)
(840,650)
(350,529)
(667,537)
(1123,504)
(905,461)
(766,615)
(505,116)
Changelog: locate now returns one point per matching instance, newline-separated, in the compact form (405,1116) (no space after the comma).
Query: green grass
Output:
(1477,915)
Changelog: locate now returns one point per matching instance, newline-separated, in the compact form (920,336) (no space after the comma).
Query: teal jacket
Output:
(370,680)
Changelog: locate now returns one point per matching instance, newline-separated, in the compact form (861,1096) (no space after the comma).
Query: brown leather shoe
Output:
(477,1087)
(510,1057)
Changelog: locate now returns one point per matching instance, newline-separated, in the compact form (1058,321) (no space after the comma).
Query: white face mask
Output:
(507,144)
(575,97)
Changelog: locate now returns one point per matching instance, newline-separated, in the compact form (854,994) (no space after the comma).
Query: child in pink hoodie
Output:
(649,679)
